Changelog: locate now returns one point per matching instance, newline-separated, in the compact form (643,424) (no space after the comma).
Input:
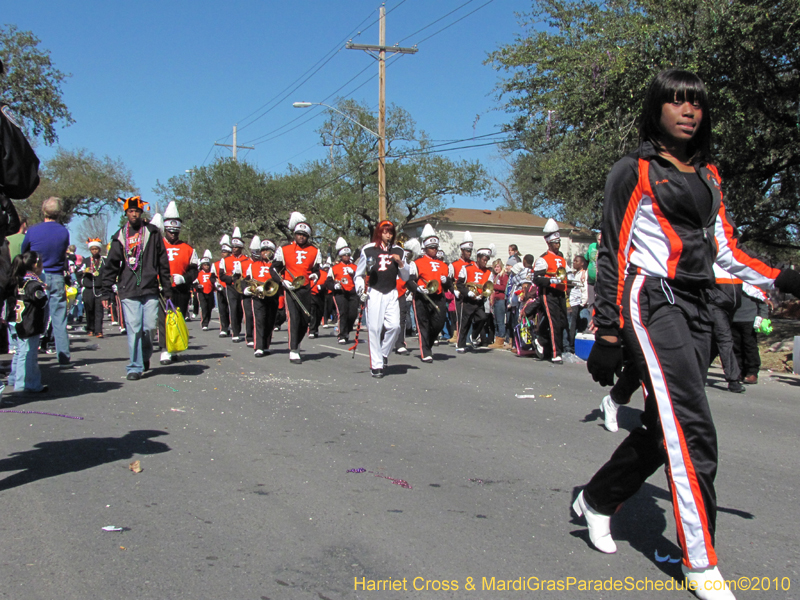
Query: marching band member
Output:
(220,287)
(205,289)
(412,249)
(379,265)
(342,284)
(93,288)
(319,290)
(429,277)
(183,267)
(265,305)
(553,290)
(299,259)
(471,281)
(233,267)
(465,259)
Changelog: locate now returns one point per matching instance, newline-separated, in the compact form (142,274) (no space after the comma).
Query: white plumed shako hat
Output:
(342,247)
(298,224)
(172,220)
(466,242)
(429,238)
(551,231)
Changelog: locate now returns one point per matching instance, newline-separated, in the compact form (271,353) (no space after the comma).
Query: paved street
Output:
(245,491)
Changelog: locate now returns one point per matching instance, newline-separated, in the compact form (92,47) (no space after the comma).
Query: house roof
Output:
(492,218)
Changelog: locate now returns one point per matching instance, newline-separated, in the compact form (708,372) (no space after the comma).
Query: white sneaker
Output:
(223,334)
(166,358)
(709,584)
(461,350)
(294,357)
(205,328)
(427,359)
(402,350)
(122,330)
(114,323)
(258,353)
(609,408)
(599,525)
(250,344)
(557,360)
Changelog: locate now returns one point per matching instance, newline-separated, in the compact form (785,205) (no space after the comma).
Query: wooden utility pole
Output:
(381,49)
(234,146)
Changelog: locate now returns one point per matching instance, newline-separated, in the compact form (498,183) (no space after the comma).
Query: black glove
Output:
(605,360)
(788,282)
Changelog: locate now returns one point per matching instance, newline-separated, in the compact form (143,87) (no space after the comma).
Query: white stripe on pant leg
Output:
(691,521)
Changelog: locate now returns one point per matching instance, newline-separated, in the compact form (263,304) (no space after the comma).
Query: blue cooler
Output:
(583,345)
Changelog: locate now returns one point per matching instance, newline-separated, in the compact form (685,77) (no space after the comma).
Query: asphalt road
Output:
(245,491)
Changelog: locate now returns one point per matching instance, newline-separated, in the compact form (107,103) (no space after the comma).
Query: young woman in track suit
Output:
(664,226)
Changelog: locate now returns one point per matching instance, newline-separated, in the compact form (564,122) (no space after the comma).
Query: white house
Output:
(501,228)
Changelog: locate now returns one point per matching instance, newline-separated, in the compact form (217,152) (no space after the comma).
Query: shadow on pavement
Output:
(51,459)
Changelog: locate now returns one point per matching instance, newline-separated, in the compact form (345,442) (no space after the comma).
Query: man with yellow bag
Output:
(137,262)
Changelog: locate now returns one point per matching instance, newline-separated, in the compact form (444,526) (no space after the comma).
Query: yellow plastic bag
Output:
(177,334)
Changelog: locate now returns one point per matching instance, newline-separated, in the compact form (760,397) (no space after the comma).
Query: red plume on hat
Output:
(133,202)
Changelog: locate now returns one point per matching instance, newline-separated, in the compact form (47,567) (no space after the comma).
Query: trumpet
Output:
(485,290)
(268,289)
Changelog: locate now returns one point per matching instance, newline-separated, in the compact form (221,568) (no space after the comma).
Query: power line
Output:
(436,21)
(454,22)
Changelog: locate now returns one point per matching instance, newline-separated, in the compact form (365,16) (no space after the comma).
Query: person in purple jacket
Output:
(50,240)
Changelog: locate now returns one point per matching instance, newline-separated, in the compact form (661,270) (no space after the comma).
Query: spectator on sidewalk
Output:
(50,240)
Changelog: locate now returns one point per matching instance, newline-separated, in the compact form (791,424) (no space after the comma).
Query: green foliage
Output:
(577,79)
(32,85)
(86,184)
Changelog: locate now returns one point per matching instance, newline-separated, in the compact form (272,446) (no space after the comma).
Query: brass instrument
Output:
(561,273)
(268,288)
(299,282)
(485,290)
(433,286)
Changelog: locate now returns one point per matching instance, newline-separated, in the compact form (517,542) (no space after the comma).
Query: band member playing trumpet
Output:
(342,283)
(233,267)
(205,289)
(379,265)
(475,283)
(428,279)
(265,297)
(93,289)
(222,295)
(550,274)
(296,267)
(465,260)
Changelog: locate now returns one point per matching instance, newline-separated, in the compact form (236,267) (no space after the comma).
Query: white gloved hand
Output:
(288,284)
(218,286)
(555,280)
(338,286)
(247,292)
(757,322)
(260,289)
(471,294)
(457,294)
(114,288)
(443,279)
(313,278)
(421,289)
(178,279)
(362,296)
(237,268)
(359,287)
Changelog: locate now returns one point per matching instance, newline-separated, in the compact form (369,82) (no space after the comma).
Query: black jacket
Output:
(33,299)
(153,267)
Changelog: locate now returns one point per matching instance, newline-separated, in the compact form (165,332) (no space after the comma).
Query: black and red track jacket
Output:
(651,226)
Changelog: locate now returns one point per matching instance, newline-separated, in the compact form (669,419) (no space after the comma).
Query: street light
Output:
(381,154)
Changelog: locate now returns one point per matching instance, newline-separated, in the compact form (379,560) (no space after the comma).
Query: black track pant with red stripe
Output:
(247,307)
(723,343)
(552,322)
(472,315)
(430,322)
(206,306)
(347,307)
(298,320)
(317,310)
(265,310)
(222,309)
(668,333)
(235,310)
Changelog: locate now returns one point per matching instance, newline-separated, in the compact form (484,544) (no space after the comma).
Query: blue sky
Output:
(155,84)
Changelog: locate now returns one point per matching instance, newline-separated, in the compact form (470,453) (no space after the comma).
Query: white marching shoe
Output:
(709,584)
(294,357)
(166,358)
(599,525)
(609,408)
